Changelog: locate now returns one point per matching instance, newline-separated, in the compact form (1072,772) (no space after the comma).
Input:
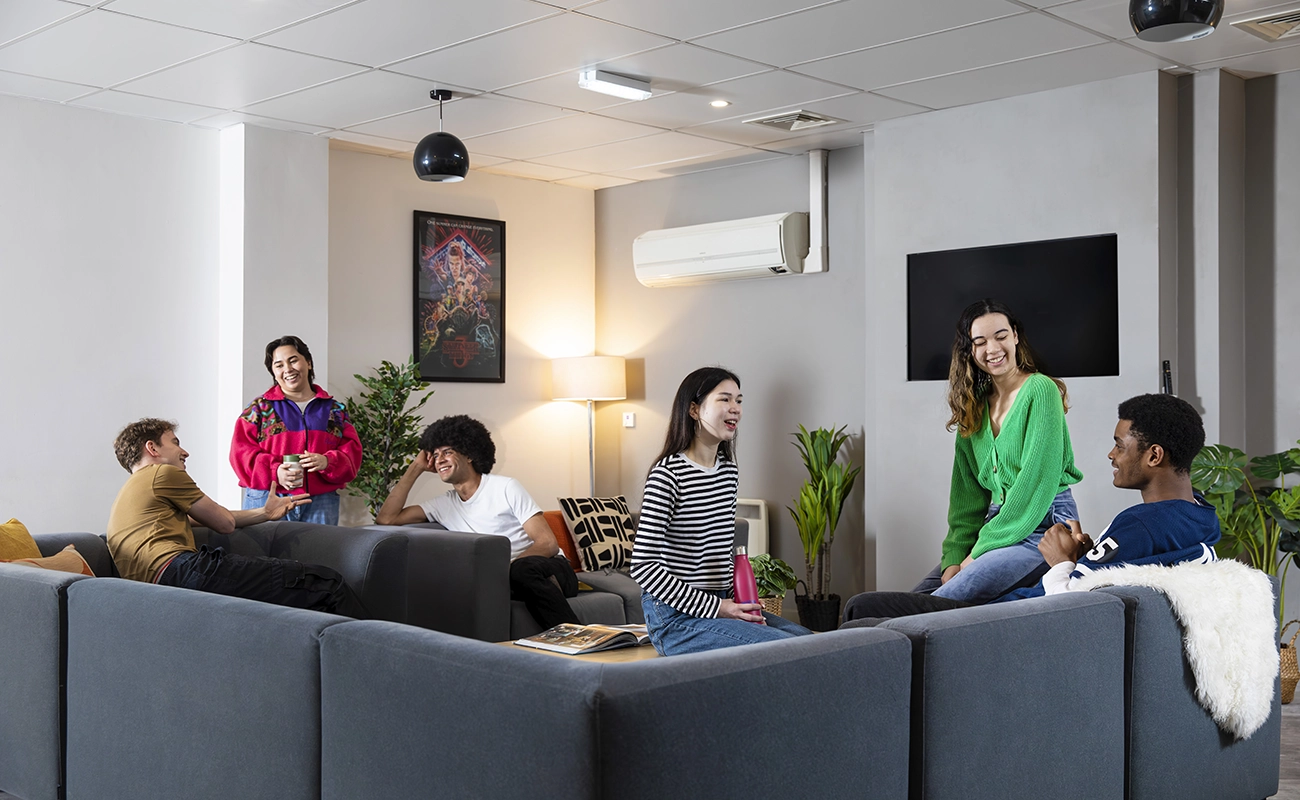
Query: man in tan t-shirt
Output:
(151,540)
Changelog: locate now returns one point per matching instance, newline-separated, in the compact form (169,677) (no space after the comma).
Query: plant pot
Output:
(818,614)
(771,605)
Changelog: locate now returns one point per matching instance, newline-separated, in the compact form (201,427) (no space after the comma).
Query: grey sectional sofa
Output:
(154,692)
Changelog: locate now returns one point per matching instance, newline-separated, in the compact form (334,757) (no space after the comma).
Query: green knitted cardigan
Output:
(1027,464)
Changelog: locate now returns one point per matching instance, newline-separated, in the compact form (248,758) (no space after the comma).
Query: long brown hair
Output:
(681,425)
(968,385)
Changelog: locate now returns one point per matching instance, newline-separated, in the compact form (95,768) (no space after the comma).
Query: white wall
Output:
(550,243)
(796,342)
(108,270)
(1071,162)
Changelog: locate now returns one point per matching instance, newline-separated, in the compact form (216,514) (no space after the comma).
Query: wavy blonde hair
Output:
(968,385)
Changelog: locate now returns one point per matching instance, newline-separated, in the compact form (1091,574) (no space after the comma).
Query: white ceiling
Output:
(359,71)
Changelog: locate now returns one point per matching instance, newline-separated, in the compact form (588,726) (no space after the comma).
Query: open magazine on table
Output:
(579,639)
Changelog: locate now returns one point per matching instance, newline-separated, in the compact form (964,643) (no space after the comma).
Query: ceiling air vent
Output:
(1273,27)
(795,120)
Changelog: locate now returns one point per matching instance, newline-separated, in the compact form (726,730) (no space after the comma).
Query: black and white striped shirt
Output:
(684,540)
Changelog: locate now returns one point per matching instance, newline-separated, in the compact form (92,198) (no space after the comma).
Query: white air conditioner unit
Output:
(722,251)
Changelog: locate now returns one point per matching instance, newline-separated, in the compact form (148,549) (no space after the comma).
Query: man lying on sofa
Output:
(461,451)
(1156,439)
(150,537)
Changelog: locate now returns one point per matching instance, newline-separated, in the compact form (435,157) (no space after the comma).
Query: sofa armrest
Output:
(459,583)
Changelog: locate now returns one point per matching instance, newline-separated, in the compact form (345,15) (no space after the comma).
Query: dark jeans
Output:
(271,580)
(869,609)
(542,584)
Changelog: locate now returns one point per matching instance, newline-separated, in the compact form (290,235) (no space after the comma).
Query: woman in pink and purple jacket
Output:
(295,417)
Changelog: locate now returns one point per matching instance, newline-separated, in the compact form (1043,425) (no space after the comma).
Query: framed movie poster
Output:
(460,298)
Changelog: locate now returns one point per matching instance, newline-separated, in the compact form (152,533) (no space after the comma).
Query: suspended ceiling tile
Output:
(1255,65)
(682,66)
(633,153)
(596,181)
(396,29)
(748,96)
(240,76)
(557,136)
(242,19)
(102,49)
(851,25)
(351,100)
(1109,17)
(1070,68)
(728,158)
(687,19)
(557,44)
(972,47)
(465,117)
(229,118)
(139,106)
(858,110)
(40,88)
(21,17)
(537,172)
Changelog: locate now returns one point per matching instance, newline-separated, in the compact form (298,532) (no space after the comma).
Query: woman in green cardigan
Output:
(1014,462)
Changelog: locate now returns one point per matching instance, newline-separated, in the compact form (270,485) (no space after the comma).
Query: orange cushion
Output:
(563,538)
(66,560)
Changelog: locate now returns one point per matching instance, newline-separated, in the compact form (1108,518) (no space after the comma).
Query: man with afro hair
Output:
(460,450)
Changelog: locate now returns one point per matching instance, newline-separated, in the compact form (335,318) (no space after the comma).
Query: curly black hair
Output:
(1167,421)
(466,436)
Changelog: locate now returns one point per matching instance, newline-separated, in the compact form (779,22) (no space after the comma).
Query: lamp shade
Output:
(1174,20)
(441,157)
(589,378)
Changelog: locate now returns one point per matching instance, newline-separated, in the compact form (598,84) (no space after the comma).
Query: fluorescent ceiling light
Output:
(598,80)
(720,104)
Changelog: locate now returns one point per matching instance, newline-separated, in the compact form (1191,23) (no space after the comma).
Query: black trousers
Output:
(271,580)
(543,584)
(869,609)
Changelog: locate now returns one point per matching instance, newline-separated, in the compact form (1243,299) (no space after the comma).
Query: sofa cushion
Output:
(563,538)
(16,542)
(66,560)
(602,530)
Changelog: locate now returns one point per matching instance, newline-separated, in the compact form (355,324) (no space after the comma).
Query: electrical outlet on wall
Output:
(629,419)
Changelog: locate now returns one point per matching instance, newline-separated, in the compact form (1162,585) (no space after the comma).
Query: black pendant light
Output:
(440,156)
(1174,20)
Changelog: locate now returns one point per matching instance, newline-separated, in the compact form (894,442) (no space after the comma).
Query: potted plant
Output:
(775,578)
(389,431)
(816,514)
(1259,524)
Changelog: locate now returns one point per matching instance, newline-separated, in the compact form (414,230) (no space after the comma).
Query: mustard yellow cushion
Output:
(16,542)
(66,560)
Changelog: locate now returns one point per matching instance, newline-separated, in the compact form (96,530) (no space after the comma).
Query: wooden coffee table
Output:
(619,656)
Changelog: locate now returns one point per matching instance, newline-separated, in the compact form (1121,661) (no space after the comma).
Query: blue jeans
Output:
(999,571)
(322,510)
(674,633)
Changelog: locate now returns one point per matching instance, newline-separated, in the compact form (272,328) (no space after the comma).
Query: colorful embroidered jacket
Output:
(272,426)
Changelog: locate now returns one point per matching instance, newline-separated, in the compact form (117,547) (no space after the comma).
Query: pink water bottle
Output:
(744,587)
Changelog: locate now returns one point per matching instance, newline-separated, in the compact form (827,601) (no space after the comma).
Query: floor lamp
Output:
(589,378)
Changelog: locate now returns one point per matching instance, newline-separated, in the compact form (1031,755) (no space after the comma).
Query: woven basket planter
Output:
(772,605)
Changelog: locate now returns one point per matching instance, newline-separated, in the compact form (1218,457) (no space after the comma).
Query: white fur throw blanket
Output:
(1229,629)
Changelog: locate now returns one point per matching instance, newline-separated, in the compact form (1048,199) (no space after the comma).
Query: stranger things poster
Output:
(460,298)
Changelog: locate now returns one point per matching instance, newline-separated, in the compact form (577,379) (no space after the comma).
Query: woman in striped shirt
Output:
(682,558)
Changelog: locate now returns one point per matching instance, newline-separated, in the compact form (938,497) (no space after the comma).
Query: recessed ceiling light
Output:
(720,103)
(598,80)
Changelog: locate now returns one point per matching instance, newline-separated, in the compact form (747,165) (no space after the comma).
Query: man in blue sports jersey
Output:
(1156,438)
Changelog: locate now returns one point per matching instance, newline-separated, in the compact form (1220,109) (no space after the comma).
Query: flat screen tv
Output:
(1065,292)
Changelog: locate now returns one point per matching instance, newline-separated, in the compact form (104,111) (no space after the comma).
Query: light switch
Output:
(629,419)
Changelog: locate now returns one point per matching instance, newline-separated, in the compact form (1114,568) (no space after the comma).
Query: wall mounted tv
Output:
(1065,292)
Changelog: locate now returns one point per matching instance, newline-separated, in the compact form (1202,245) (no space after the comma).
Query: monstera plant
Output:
(1261,524)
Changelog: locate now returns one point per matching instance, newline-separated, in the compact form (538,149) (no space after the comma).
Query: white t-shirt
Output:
(499,506)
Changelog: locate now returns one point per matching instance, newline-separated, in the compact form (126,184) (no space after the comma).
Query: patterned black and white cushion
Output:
(602,530)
